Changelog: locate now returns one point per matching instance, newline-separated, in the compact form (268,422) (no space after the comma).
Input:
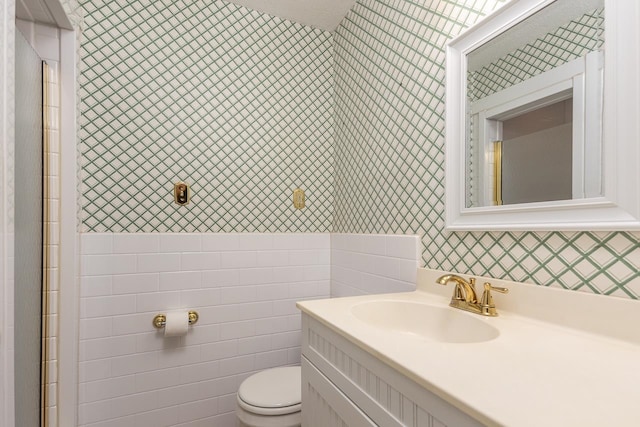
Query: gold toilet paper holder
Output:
(161,320)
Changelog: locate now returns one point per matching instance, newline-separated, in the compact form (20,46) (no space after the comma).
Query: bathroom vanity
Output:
(552,357)
(343,385)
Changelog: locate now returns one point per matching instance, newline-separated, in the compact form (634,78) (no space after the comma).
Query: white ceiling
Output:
(323,14)
(48,12)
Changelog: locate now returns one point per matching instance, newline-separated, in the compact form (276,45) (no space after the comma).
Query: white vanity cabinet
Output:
(343,385)
(398,359)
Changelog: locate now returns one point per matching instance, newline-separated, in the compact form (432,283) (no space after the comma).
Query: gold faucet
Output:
(465,298)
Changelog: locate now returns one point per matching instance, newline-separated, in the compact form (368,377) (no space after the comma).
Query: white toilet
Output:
(271,398)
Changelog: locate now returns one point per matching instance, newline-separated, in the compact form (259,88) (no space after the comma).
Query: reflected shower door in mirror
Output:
(533,157)
(534,109)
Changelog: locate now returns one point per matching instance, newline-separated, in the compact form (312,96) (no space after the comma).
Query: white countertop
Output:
(535,373)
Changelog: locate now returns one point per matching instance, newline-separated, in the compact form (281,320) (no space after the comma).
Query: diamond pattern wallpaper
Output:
(247,107)
(389,151)
(234,102)
(571,41)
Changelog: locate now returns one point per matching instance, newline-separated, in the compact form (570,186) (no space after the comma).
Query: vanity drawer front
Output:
(381,392)
(326,406)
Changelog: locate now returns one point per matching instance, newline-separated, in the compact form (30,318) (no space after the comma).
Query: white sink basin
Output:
(430,322)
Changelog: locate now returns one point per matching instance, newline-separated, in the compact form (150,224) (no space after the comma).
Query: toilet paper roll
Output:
(177,324)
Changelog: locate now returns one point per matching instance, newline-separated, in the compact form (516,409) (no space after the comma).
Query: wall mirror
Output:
(543,106)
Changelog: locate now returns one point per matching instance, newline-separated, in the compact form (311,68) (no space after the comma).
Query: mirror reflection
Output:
(534,109)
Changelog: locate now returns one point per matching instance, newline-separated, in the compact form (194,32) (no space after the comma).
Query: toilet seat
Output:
(274,391)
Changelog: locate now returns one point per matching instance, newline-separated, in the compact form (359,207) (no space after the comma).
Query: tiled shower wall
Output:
(236,103)
(389,99)
(244,287)
(45,40)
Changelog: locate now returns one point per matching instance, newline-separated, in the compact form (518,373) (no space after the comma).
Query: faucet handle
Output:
(489,287)
(487,307)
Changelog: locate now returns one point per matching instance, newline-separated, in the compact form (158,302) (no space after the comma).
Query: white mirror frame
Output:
(619,206)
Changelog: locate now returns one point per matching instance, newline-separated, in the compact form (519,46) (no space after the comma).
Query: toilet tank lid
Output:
(273,388)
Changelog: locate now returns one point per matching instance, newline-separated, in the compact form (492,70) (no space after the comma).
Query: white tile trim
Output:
(248,320)
(373,263)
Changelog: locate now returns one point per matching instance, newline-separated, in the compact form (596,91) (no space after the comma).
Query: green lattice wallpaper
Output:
(235,102)
(572,40)
(389,103)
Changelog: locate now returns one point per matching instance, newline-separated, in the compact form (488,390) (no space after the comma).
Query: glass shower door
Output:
(28,234)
